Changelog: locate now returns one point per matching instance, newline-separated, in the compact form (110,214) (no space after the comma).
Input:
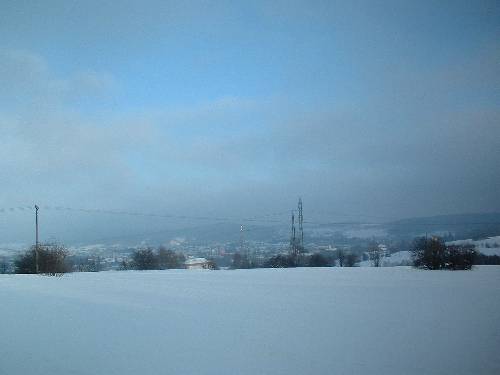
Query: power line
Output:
(256,219)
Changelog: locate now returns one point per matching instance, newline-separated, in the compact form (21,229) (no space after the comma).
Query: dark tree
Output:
(351,260)
(318,260)
(375,254)
(4,266)
(460,257)
(433,254)
(341,257)
(95,264)
(168,259)
(429,253)
(26,263)
(124,265)
(51,260)
(281,261)
(145,259)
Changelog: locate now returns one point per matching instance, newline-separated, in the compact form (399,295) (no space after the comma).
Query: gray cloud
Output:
(420,141)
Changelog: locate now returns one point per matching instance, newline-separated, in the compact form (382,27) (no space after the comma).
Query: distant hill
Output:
(228,232)
(451,227)
(461,226)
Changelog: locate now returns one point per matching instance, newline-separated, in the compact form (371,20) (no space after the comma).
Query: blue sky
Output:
(386,108)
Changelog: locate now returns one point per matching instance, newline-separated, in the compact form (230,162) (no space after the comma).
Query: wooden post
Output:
(36,243)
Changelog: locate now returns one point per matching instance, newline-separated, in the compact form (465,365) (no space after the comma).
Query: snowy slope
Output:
(399,258)
(489,246)
(297,321)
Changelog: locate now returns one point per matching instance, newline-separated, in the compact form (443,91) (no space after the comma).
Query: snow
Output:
(195,261)
(399,258)
(486,246)
(395,320)
(489,251)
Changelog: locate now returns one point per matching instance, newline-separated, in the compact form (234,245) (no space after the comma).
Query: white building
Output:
(196,263)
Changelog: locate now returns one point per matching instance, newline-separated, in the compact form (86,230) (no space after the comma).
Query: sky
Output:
(365,109)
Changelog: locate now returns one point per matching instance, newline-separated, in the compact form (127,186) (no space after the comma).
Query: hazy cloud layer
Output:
(373,127)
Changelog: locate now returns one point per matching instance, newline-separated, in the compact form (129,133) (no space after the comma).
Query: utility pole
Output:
(301,220)
(36,243)
(293,240)
(241,240)
(244,251)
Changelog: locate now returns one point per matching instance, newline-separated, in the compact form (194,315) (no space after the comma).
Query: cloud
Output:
(418,141)
(26,80)
(46,142)
(424,141)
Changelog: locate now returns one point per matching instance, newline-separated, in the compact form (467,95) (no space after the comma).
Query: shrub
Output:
(434,254)
(375,254)
(460,257)
(341,257)
(429,253)
(148,259)
(280,261)
(145,259)
(351,260)
(318,260)
(169,259)
(51,260)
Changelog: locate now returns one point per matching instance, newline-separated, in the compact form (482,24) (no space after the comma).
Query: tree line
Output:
(426,253)
(54,260)
(150,259)
(341,258)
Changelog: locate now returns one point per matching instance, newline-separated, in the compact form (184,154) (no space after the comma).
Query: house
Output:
(196,263)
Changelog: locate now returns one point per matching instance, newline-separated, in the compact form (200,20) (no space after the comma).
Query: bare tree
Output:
(341,257)
(375,254)
(4,266)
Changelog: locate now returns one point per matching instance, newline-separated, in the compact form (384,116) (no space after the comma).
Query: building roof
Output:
(193,261)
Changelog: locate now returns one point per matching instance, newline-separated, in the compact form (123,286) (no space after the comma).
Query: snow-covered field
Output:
(297,321)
